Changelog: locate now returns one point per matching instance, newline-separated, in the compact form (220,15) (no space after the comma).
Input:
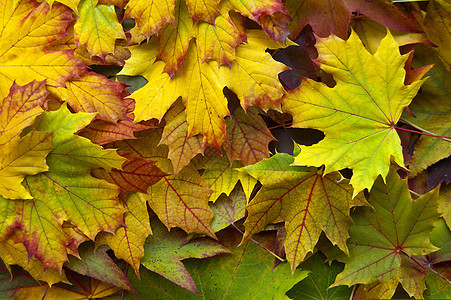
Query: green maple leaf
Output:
(164,251)
(359,114)
(384,238)
(66,192)
(96,263)
(246,273)
(316,285)
(305,199)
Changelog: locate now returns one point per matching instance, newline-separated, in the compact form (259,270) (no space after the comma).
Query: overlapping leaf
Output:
(150,17)
(128,242)
(203,10)
(308,201)
(28,28)
(178,200)
(218,41)
(97,264)
(228,209)
(253,75)
(182,147)
(21,156)
(316,285)
(94,93)
(102,132)
(157,96)
(66,192)
(13,251)
(382,238)
(247,137)
(223,276)
(97,28)
(174,39)
(328,17)
(369,96)
(182,201)
(165,250)
(222,176)
(136,175)
(431,111)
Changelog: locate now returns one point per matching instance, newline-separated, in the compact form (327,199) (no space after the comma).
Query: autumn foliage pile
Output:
(225,149)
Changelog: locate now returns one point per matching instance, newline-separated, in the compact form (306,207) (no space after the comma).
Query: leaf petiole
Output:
(266,249)
(422,130)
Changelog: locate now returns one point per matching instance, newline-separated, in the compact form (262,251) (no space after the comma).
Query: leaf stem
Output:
(266,249)
(422,130)
(415,193)
(440,275)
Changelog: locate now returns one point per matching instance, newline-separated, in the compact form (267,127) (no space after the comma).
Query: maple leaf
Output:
(102,132)
(359,114)
(399,228)
(248,265)
(253,76)
(182,147)
(255,8)
(156,97)
(182,201)
(96,263)
(128,242)
(174,39)
(222,176)
(136,175)
(247,137)
(14,280)
(328,17)
(204,99)
(150,17)
(97,28)
(203,10)
(371,33)
(276,26)
(218,40)
(322,275)
(436,24)
(178,200)
(165,250)
(228,209)
(85,288)
(29,27)
(431,111)
(22,156)
(94,93)
(13,251)
(66,192)
(306,200)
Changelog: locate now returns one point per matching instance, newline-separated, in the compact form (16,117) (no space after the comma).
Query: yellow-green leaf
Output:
(128,242)
(218,40)
(206,106)
(174,39)
(94,93)
(308,201)
(359,114)
(97,28)
(21,157)
(253,75)
(182,201)
(182,147)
